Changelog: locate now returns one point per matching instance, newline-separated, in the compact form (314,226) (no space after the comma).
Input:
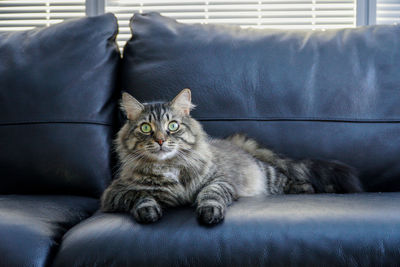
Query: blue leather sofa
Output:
(331,94)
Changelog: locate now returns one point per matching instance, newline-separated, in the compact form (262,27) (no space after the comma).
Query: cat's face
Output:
(157,131)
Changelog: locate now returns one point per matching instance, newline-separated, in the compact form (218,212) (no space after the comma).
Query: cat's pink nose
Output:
(160,141)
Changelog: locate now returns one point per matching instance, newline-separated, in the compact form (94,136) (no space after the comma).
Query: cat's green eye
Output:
(145,127)
(173,126)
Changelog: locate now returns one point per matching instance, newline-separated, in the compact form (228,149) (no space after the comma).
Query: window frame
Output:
(366,12)
(95,7)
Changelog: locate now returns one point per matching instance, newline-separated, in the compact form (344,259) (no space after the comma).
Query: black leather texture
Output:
(328,95)
(31,227)
(58,98)
(288,230)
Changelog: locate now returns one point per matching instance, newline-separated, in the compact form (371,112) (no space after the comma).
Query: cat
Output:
(168,160)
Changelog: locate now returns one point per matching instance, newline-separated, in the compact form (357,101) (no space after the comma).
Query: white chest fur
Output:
(167,172)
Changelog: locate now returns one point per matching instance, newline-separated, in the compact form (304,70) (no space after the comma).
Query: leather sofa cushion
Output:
(57,107)
(287,230)
(31,227)
(306,94)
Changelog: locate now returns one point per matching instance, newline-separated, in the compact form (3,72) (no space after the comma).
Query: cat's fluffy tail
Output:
(332,177)
(323,176)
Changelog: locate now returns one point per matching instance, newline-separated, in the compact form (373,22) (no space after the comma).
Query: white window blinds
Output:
(388,11)
(23,14)
(288,14)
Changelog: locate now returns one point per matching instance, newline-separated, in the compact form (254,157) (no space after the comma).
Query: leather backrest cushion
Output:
(57,106)
(331,94)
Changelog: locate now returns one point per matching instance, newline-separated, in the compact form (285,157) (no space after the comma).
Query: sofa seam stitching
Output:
(302,119)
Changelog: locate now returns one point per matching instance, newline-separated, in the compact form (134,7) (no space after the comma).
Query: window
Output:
(388,11)
(23,14)
(289,14)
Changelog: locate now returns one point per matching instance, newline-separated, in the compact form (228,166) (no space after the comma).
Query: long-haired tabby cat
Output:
(168,160)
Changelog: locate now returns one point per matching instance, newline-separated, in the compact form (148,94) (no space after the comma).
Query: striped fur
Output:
(188,167)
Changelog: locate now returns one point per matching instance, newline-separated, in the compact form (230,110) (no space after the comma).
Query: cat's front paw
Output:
(147,213)
(210,214)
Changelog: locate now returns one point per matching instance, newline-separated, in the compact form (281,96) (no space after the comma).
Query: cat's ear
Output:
(131,106)
(183,102)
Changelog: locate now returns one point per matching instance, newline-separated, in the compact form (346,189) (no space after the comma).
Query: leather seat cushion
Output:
(287,230)
(31,227)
